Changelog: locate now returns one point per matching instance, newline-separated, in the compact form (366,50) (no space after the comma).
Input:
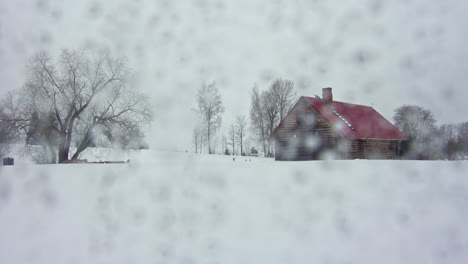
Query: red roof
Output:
(352,120)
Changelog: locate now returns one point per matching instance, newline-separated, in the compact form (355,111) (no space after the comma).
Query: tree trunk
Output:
(241,146)
(62,150)
(65,141)
(270,150)
(63,154)
(85,143)
(264,148)
(209,139)
(68,137)
(79,150)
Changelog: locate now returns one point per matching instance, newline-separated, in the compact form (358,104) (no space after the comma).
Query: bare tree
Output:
(210,106)
(283,95)
(247,146)
(231,139)
(271,116)
(414,121)
(462,139)
(196,137)
(77,98)
(198,133)
(5,141)
(448,137)
(268,108)
(224,144)
(257,118)
(8,133)
(419,125)
(241,129)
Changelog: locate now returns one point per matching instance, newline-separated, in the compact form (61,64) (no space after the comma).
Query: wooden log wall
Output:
(373,149)
(300,139)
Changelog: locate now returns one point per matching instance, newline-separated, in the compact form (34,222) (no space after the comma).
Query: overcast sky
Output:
(380,53)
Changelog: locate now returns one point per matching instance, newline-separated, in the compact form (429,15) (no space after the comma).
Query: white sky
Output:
(380,53)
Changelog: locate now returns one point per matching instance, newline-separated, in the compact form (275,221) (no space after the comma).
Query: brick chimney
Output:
(327,95)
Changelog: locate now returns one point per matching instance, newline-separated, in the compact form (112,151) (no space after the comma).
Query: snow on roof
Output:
(344,120)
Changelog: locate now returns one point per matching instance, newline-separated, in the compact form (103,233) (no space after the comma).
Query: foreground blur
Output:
(185,208)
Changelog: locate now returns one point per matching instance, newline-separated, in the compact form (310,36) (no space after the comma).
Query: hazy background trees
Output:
(257,118)
(75,100)
(210,108)
(462,139)
(426,140)
(454,141)
(198,138)
(268,108)
(240,131)
(231,138)
(419,125)
(236,137)
(7,129)
(448,141)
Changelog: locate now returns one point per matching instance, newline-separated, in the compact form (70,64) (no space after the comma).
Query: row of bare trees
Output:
(237,135)
(268,108)
(454,141)
(209,111)
(74,102)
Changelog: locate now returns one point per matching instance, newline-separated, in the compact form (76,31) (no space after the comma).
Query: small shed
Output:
(317,128)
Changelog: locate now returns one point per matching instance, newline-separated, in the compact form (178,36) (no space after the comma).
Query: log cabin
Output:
(321,128)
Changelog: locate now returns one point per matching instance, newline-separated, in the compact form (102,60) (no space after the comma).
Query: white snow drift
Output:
(183,208)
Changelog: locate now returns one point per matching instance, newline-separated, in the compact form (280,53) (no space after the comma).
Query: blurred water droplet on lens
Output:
(45,38)
(42,5)
(95,10)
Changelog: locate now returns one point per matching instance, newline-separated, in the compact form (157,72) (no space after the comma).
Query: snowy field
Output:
(186,208)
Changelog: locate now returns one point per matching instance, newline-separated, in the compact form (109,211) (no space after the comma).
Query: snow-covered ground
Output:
(186,208)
